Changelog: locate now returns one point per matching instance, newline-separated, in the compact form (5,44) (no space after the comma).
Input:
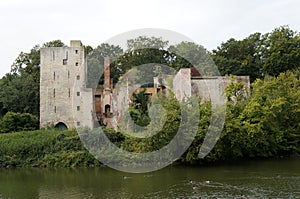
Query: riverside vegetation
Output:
(264,125)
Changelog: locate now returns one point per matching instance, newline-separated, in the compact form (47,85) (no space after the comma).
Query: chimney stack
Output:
(106,73)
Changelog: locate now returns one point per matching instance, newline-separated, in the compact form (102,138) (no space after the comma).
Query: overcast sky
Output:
(24,24)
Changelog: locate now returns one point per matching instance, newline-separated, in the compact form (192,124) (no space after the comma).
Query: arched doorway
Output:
(61,126)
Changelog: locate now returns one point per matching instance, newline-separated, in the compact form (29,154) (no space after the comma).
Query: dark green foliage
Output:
(139,108)
(240,57)
(13,122)
(267,124)
(164,135)
(259,55)
(20,93)
(115,137)
(281,51)
(44,148)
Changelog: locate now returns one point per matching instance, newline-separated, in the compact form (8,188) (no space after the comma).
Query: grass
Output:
(44,148)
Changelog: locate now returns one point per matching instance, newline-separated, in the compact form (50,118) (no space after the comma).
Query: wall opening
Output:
(107,110)
(61,126)
(97,97)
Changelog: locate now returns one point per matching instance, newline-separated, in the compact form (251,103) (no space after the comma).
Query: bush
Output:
(13,122)
(44,148)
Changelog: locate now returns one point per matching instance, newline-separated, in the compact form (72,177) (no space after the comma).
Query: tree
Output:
(240,57)
(189,54)
(21,94)
(13,122)
(272,116)
(259,55)
(146,42)
(281,51)
(143,50)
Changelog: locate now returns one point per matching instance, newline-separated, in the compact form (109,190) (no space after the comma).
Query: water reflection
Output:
(271,179)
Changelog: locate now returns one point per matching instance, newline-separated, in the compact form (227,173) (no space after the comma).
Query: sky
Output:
(23,24)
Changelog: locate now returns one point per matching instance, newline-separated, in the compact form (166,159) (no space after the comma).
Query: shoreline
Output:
(63,149)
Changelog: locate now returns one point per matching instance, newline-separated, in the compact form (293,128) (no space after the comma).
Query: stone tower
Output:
(65,101)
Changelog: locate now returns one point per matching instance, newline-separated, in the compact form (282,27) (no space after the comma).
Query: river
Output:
(246,179)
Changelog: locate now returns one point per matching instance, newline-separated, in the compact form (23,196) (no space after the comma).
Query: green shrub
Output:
(14,122)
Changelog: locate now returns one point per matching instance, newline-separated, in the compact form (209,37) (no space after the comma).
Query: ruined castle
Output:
(67,102)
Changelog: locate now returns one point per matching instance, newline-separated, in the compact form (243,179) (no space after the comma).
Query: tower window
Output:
(69,92)
(78,108)
(54,109)
(78,77)
(78,93)
(54,93)
(76,64)
(78,123)
(68,74)
(53,75)
(76,51)
(65,61)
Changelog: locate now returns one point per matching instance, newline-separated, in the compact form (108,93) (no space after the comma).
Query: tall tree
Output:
(240,57)
(143,50)
(281,50)
(189,54)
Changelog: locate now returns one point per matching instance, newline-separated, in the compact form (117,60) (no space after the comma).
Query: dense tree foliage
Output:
(267,124)
(139,108)
(13,122)
(259,55)
(280,51)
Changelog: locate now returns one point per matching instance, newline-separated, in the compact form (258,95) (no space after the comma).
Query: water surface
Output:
(251,179)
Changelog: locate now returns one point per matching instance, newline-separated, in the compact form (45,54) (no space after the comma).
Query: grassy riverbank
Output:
(44,148)
(51,148)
